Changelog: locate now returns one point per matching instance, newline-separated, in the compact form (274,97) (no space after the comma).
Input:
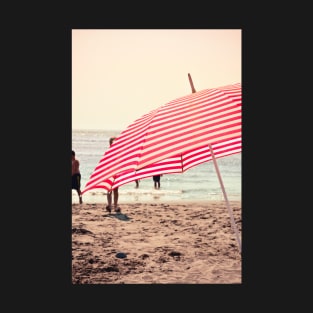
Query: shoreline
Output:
(152,198)
(103,202)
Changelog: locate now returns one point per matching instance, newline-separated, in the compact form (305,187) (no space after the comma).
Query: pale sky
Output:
(119,75)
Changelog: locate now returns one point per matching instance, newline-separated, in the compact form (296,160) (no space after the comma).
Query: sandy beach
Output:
(155,243)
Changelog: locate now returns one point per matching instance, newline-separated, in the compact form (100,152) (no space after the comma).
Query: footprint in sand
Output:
(80,231)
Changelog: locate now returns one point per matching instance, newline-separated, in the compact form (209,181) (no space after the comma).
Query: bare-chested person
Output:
(115,193)
(76,176)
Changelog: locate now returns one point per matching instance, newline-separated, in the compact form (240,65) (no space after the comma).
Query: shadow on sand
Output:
(120,216)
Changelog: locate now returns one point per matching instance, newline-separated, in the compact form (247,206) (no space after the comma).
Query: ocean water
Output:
(199,183)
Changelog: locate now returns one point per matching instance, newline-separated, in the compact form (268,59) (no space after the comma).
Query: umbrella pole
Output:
(226,199)
(220,180)
(191,84)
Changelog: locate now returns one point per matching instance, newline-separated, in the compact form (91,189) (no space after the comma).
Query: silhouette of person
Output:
(156,179)
(115,193)
(76,177)
(137,183)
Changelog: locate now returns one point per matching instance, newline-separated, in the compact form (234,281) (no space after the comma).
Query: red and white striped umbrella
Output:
(183,133)
(173,138)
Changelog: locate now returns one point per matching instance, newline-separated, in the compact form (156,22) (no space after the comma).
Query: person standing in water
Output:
(137,183)
(76,177)
(156,179)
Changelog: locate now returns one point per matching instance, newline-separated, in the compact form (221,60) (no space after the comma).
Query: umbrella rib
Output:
(181,161)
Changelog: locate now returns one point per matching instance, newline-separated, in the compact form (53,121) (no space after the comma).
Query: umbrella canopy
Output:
(176,136)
